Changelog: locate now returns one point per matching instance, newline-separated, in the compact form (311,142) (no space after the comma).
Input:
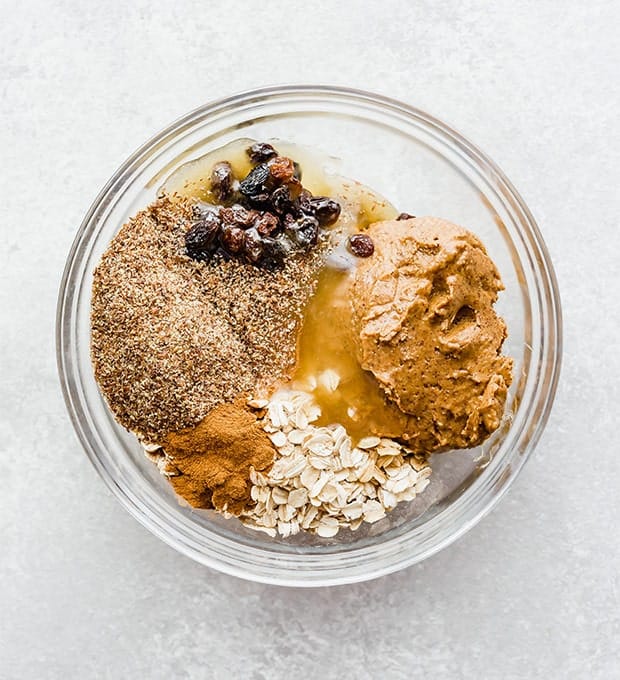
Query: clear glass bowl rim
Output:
(355,564)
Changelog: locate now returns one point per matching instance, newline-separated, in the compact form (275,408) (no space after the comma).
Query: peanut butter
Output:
(425,327)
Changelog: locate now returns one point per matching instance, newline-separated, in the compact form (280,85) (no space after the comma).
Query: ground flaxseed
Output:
(172,338)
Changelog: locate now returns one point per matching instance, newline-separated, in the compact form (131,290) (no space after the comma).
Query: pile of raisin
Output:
(263,218)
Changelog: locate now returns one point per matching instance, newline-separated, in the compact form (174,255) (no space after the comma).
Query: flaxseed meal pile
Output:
(288,348)
(173,337)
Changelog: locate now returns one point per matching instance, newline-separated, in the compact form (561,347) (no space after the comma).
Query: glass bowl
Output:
(423,167)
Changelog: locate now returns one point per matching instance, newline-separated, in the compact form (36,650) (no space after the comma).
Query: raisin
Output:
(233,239)
(281,200)
(261,200)
(325,209)
(282,169)
(361,245)
(238,215)
(294,188)
(222,180)
(304,232)
(405,216)
(200,240)
(303,202)
(253,247)
(261,152)
(255,181)
(266,224)
(251,217)
(275,251)
(228,215)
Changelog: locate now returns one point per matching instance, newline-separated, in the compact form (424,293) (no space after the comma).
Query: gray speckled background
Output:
(533,591)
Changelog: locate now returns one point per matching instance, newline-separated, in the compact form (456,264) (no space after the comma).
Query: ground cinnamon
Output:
(210,463)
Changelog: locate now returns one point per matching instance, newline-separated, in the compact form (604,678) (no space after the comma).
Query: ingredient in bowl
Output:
(361,245)
(209,464)
(259,152)
(320,481)
(426,329)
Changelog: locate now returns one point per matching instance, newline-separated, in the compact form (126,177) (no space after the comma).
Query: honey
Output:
(327,366)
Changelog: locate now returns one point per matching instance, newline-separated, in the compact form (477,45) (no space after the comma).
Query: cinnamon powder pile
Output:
(209,464)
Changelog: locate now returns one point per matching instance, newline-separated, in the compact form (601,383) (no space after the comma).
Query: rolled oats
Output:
(319,481)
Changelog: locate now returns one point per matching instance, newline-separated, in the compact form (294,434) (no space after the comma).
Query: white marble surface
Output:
(533,591)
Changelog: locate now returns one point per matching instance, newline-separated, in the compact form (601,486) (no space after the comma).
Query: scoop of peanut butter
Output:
(424,325)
